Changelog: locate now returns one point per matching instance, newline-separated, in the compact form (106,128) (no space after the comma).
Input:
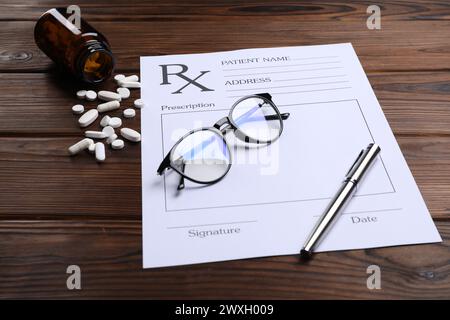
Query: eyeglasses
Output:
(203,155)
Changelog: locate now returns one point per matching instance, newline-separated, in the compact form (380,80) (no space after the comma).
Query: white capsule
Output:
(100,152)
(105,121)
(124,92)
(117,144)
(108,131)
(87,118)
(129,84)
(130,134)
(133,78)
(78,109)
(91,147)
(91,95)
(81,94)
(119,77)
(139,103)
(108,106)
(80,145)
(115,122)
(111,138)
(109,96)
(129,113)
(95,134)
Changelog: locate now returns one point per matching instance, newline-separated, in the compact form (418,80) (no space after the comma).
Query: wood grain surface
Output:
(57,210)
(109,254)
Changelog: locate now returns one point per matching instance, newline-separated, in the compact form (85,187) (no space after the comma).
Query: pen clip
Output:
(351,167)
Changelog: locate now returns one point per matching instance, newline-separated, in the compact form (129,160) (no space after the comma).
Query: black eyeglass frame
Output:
(220,128)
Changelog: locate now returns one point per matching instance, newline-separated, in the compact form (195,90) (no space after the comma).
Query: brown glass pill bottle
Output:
(84,52)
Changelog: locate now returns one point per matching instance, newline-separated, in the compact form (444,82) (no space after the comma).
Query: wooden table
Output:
(57,210)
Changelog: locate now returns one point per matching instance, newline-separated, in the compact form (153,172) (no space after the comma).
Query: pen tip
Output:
(305,255)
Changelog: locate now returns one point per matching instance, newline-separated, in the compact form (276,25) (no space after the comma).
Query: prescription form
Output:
(273,195)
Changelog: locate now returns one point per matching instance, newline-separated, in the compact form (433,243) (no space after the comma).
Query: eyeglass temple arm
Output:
(264,95)
(181,183)
(284,116)
(247,116)
(165,164)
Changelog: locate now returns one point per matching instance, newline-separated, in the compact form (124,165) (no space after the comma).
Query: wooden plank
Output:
(143,10)
(414,103)
(37,104)
(40,181)
(40,104)
(418,44)
(35,255)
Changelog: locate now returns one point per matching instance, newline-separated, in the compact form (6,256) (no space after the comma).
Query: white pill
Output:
(130,84)
(133,78)
(81,94)
(95,134)
(109,96)
(105,121)
(91,147)
(88,117)
(124,92)
(115,122)
(108,106)
(139,103)
(80,145)
(100,152)
(108,131)
(129,113)
(117,144)
(78,109)
(130,134)
(111,138)
(91,95)
(119,77)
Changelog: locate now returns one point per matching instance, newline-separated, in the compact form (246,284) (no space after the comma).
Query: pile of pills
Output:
(110,101)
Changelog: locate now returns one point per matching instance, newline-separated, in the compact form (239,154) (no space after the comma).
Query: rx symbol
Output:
(181,74)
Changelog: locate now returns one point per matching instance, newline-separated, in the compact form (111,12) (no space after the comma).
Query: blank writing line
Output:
(294,85)
(285,66)
(368,211)
(310,78)
(251,74)
(314,90)
(305,91)
(308,58)
(212,224)
(319,102)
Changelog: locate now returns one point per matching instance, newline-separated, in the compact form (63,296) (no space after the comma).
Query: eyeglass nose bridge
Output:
(223,124)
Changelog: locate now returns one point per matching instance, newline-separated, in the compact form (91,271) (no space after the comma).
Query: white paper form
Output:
(272,196)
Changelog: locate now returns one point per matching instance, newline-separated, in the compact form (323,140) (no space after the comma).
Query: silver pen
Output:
(353,177)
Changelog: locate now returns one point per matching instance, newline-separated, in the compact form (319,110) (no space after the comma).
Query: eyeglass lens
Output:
(202,156)
(257,119)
